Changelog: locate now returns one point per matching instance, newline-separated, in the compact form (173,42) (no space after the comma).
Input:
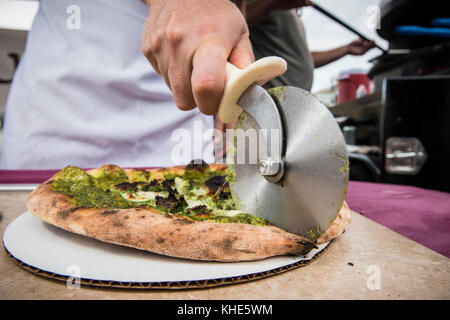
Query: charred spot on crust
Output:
(183,221)
(228,243)
(124,238)
(246,251)
(160,240)
(106,212)
(197,165)
(118,224)
(65,213)
(307,244)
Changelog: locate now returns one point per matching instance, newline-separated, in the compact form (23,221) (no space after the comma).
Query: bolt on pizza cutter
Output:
(297,178)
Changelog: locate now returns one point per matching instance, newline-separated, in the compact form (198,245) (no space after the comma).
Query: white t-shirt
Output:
(84,94)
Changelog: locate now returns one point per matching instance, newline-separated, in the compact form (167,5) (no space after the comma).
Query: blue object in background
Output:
(441,22)
(423,31)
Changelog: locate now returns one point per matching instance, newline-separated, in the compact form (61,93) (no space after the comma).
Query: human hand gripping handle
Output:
(238,80)
(189,43)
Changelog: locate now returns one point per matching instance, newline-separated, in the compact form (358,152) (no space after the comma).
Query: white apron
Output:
(85,95)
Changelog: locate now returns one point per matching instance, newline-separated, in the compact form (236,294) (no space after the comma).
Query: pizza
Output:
(184,211)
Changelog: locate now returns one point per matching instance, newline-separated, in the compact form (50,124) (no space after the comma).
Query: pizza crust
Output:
(338,226)
(176,236)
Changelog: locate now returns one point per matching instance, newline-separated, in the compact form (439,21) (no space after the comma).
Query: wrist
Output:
(347,49)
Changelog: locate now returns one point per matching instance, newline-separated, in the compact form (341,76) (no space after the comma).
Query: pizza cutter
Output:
(289,155)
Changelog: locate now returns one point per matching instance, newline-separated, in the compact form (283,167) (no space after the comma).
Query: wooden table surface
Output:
(368,261)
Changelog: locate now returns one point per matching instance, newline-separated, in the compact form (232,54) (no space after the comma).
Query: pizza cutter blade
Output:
(298,177)
(289,155)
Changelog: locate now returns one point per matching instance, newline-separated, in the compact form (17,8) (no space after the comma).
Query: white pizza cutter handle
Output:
(238,80)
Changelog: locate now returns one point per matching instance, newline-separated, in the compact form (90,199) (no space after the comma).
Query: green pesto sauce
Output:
(314,233)
(197,177)
(277,93)
(87,191)
(90,191)
(95,197)
(110,176)
(241,218)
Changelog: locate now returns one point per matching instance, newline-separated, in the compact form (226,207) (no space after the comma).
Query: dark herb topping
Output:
(168,183)
(167,203)
(154,185)
(128,186)
(171,204)
(199,209)
(214,183)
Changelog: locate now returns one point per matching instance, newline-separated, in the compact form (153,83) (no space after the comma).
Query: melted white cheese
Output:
(144,196)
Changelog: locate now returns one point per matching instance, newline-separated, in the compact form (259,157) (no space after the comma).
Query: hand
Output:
(189,42)
(360,46)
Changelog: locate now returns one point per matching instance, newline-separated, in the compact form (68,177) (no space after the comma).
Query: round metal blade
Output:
(315,174)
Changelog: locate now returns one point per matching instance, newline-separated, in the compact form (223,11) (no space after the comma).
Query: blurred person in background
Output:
(276,29)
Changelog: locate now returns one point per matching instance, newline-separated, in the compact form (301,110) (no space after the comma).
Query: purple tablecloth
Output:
(419,214)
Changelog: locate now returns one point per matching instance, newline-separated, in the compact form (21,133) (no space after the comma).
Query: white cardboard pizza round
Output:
(51,249)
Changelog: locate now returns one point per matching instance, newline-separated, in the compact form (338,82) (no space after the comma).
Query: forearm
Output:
(322,58)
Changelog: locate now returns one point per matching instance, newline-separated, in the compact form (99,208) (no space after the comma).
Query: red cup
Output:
(352,86)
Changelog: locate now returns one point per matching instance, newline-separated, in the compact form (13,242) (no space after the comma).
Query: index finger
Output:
(208,76)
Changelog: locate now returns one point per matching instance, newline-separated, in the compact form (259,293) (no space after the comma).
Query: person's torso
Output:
(279,34)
